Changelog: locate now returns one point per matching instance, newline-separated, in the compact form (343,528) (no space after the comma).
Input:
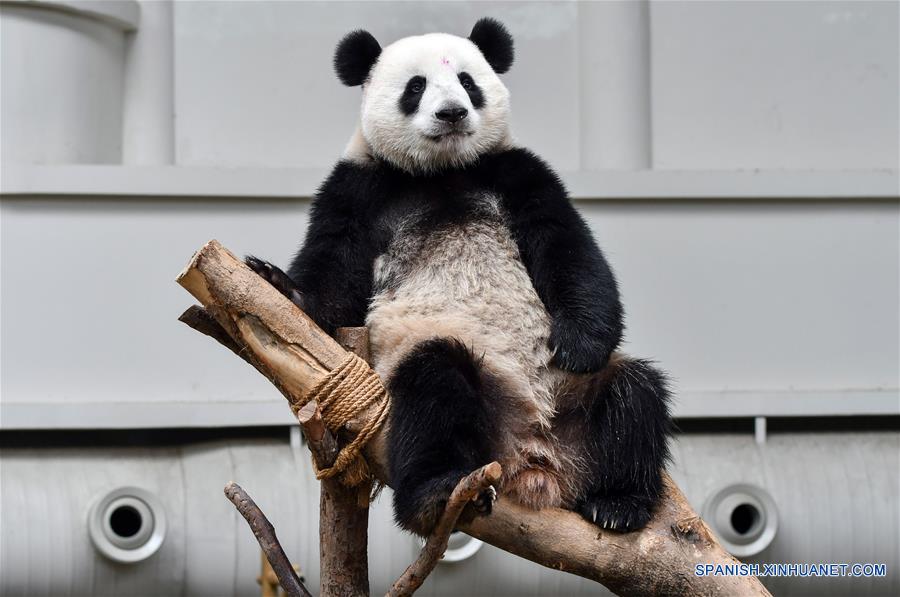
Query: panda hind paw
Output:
(484,501)
(619,513)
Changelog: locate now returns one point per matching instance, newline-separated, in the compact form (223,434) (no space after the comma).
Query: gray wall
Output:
(738,162)
(775,292)
(48,492)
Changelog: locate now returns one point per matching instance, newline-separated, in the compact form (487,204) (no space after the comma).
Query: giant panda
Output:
(493,315)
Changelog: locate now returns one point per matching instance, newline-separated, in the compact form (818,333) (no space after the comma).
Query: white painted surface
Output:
(109,303)
(210,181)
(759,296)
(845,512)
(289,108)
(614,85)
(775,84)
(148,122)
(153,413)
(227,114)
(121,14)
(690,85)
(753,302)
(668,85)
(62,76)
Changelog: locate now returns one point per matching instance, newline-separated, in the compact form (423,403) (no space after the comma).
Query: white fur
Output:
(405,141)
(468,282)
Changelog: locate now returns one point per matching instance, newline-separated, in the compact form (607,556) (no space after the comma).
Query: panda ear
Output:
(355,56)
(495,43)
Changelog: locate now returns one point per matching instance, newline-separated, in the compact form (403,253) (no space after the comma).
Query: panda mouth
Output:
(452,134)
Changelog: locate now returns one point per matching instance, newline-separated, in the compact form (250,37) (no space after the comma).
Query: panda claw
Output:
(274,276)
(620,514)
(484,501)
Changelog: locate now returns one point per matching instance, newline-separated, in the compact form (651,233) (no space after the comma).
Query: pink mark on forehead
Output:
(445,61)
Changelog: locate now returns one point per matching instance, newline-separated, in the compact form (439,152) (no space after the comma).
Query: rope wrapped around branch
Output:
(347,391)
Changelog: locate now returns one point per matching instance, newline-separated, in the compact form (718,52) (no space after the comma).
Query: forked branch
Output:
(290,350)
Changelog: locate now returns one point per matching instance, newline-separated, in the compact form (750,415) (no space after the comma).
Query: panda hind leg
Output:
(440,431)
(623,442)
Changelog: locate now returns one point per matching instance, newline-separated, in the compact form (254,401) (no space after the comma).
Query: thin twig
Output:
(436,544)
(268,541)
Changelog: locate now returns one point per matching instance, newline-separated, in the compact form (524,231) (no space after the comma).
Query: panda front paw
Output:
(576,349)
(619,513)
(484,501)
(276,277)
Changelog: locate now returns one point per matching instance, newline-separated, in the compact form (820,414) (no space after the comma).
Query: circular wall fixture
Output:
(744,518)
(459,547)
(127,524)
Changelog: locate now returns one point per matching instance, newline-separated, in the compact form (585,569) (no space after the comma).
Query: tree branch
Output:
(436,544)
(291,350)
(268,541)
(322,444)
(343,514)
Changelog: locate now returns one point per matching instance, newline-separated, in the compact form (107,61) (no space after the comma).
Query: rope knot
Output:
(347,391)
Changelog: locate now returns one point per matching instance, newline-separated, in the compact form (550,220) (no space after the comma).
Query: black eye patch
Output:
(412,95)
(474,91)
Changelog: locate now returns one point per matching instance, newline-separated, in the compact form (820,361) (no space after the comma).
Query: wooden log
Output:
(278,337)
(343,520)
(293,352)
(343,515)
(659,559)
(321,442)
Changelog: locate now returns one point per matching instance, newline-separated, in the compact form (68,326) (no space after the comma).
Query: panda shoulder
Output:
(349,188)
(524,179)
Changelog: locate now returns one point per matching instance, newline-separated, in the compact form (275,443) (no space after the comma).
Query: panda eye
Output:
(416,85)
(465,79)
(471,87)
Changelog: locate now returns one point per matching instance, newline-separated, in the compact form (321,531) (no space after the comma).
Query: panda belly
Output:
(467,282)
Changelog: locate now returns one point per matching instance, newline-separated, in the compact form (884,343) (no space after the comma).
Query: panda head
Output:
(430,102)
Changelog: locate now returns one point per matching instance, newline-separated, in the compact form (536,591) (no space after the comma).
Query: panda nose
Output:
(451,114)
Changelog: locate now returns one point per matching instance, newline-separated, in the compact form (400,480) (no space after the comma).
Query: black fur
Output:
(440,429)
(495,43)
(355,56)
(277,278)
(472,88)
(621,422)
(350,225)
(566,266)
(441,412)
(412,95)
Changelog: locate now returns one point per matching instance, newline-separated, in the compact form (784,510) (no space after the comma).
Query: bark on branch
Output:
(436,544)
(268,541)
(291,351)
